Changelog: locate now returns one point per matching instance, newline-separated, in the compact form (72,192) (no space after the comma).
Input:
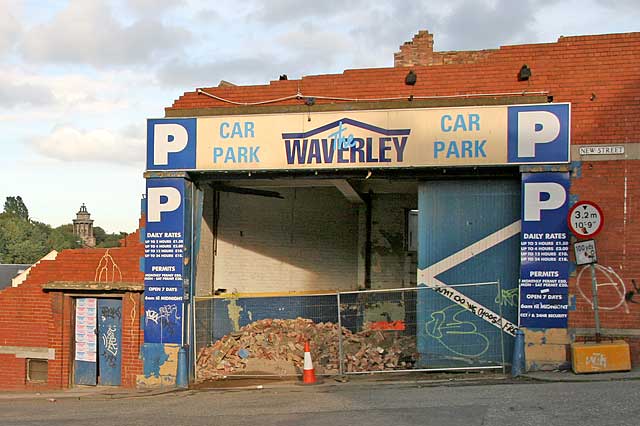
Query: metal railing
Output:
(353,332)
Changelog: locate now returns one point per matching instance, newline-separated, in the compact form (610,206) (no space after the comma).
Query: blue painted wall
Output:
(315,308)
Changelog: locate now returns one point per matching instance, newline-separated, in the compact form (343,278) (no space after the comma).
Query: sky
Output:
(79,78)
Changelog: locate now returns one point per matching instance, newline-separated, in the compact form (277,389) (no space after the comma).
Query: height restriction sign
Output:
(585,219)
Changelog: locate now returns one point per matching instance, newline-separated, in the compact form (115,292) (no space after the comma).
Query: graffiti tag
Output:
(110,343)
(612,280)
(166,317)
(507,297)
(448,329)
(110,312)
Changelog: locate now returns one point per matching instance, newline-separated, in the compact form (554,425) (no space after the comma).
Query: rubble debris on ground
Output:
(277,346)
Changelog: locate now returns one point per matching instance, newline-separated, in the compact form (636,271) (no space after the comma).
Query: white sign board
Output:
(602,150)
(585,252)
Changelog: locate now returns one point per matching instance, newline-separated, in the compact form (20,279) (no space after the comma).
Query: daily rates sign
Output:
(544,250)
(432,137)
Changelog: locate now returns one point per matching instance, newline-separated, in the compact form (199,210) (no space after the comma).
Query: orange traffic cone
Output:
(308,372)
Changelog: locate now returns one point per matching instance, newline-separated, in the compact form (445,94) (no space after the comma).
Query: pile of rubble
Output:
(273,346)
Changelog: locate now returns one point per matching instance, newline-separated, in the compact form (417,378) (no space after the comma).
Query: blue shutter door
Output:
(468,232)
(110,341)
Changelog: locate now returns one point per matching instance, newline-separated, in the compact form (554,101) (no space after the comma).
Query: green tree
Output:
(22,241)
(100,235)
(109,240)
(26,241)
(62,237)
(15,205)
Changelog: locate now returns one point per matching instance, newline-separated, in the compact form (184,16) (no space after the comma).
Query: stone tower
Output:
(83,227)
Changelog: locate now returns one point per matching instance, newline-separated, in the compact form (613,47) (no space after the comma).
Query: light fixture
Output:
(525,73)
(411,78)
(310,101)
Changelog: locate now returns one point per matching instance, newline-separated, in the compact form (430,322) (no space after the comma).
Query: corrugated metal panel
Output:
(453,217)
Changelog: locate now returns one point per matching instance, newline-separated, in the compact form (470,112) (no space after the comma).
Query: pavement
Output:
(569,376)
(388,379)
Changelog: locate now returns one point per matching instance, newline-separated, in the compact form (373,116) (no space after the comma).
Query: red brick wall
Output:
(570,70)
(615,186)
(599,75)
(31,317)
(25,320)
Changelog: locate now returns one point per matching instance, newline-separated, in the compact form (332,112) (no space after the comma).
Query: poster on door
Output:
(86,329)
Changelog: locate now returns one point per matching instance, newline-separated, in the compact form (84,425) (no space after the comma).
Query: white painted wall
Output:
(306,241)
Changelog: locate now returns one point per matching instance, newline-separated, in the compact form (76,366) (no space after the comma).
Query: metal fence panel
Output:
(349,332)
(262,336)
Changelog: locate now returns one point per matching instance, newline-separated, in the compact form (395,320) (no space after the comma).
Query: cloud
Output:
(69,93)
(68,143)
(247,70)
(283,11)
(303,50)
(308,45)
(10,28)
(501,22)
(144,7)
(19,94)
(86,32)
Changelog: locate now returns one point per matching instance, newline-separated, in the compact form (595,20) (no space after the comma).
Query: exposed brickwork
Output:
(570,70)
(32,318)
(597,74)
(615,186)
(419,51)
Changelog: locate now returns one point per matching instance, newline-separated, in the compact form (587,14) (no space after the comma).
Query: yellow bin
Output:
(591,357)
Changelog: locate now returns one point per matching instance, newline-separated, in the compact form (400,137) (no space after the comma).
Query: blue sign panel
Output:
(171,144)
(544,250)
(163,252)
(538,133)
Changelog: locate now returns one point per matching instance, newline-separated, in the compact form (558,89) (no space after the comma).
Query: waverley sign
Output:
(433,137)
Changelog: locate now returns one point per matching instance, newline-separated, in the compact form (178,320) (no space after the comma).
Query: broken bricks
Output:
(280,344)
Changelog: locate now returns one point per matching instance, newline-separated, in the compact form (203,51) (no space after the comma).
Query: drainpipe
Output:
(367,247)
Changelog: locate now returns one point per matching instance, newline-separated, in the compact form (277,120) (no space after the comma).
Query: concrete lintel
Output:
(442,102)
(165,174)
(539,168)
(29,352)
(281,183)
(348,191)
(616,332)
(93,286)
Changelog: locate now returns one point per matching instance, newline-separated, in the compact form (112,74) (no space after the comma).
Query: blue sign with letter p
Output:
(171,144)
(538,133)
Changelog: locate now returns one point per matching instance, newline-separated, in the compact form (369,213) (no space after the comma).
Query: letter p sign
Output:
(160,200)
(538,134)
(168,138)
(545,198)
(171,144)
(540,196)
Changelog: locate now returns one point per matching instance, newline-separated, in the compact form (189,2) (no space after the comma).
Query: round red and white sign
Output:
(585,219)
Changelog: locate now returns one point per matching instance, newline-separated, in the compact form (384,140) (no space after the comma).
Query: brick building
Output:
(40,318)
(274,212)
(409,177)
